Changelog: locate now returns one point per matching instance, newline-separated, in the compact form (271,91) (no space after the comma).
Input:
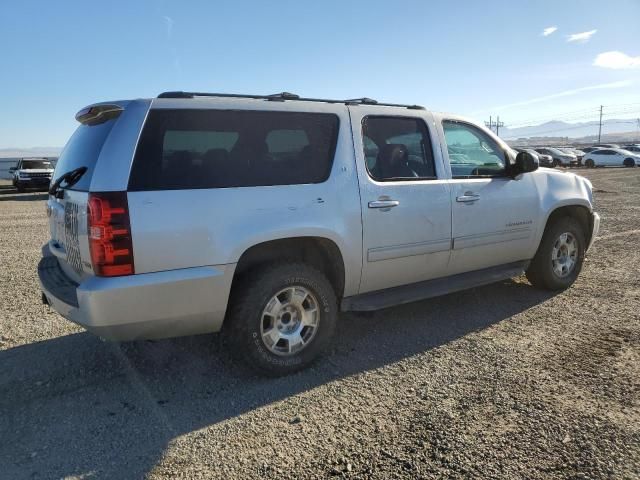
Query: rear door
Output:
(67,214)
(606,157)
(406,206)
(493,220)
(105,145)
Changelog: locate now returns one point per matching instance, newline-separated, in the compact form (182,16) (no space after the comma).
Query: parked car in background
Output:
(573,151)
(631,148)
(589,149)
(612,157)
(265,216)
(559,157)
(543,159)
(606,145)
(32,173)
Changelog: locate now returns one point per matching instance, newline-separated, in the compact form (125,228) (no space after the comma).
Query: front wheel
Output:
(560,256)
(629,162)
(281,318)
(590,163)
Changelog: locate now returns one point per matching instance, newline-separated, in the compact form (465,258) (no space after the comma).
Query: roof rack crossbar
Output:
(287,96)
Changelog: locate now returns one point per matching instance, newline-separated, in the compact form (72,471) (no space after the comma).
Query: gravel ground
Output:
(501,381)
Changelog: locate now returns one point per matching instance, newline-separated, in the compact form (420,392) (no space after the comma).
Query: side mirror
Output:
(525,162)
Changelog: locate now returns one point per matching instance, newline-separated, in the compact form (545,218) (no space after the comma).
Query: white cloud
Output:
(581,37)
(548,31)
(616,60)
(566,93)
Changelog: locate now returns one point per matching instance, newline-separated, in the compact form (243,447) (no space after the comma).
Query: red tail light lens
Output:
(110,241)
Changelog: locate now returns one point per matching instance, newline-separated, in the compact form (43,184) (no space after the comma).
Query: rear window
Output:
(34,164)
(82,150)
(188,149)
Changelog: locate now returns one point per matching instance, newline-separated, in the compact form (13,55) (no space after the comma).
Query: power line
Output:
(576,127)
(594,113)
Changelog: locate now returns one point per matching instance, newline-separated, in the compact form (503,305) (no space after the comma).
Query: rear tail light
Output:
(110,241)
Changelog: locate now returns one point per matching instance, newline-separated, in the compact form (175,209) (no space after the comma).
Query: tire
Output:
(629,162)
(247,320)
(590,163)
(20,188)
(557,163)
(541,272)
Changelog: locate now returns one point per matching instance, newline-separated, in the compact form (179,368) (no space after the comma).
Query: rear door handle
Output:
(384,203)
(468,197)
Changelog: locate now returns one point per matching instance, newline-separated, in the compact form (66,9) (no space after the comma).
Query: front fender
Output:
(558,190)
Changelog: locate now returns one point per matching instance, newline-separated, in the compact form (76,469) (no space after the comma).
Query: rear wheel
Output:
(281,318)
(559,258)
(629,162)
(590,163)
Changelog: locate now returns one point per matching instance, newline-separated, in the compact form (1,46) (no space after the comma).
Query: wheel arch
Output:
(320,252)
(581,213)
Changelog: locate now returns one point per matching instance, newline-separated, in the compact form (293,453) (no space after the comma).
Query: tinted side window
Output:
(184,149)
(397,148)
(472,152)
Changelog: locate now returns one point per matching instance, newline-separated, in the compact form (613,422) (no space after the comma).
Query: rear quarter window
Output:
(190,149)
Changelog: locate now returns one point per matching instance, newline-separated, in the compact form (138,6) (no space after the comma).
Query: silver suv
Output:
(264,216)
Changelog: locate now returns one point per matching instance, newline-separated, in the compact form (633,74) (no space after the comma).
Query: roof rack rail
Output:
(282,96)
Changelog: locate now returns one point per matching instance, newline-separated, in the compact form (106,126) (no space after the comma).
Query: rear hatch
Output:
(67,206)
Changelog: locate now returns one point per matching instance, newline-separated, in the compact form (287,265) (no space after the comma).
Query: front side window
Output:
(472,153)
(189,149)
(397,148)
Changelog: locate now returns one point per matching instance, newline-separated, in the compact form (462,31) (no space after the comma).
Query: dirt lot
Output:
(501,381)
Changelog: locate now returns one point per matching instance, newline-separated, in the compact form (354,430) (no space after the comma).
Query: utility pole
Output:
(600,125)
(489,123)
(496,124)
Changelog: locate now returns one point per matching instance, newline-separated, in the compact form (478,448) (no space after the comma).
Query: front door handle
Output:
(468,197)
(384,203)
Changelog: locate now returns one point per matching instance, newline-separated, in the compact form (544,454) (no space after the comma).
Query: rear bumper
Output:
(145,306)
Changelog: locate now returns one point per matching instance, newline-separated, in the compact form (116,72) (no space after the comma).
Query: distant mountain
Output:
(30,152)
(556,128)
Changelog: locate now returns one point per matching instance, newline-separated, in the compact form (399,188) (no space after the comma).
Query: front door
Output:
(406,205)
(493,215)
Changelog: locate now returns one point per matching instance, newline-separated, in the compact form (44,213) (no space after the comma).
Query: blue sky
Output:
(469,57)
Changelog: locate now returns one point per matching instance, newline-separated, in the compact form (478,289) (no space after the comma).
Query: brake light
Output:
(109,232)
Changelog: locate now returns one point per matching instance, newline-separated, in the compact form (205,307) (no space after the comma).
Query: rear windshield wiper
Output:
(70,178)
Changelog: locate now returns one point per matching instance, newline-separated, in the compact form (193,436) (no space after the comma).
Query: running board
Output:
(414,292)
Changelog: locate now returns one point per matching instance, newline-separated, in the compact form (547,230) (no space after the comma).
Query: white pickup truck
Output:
(264,216)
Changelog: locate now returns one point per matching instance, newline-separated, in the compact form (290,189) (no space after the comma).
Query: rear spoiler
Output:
(96,114)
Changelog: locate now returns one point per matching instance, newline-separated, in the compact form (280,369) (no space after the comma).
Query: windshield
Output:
(34,164)
(83,150)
